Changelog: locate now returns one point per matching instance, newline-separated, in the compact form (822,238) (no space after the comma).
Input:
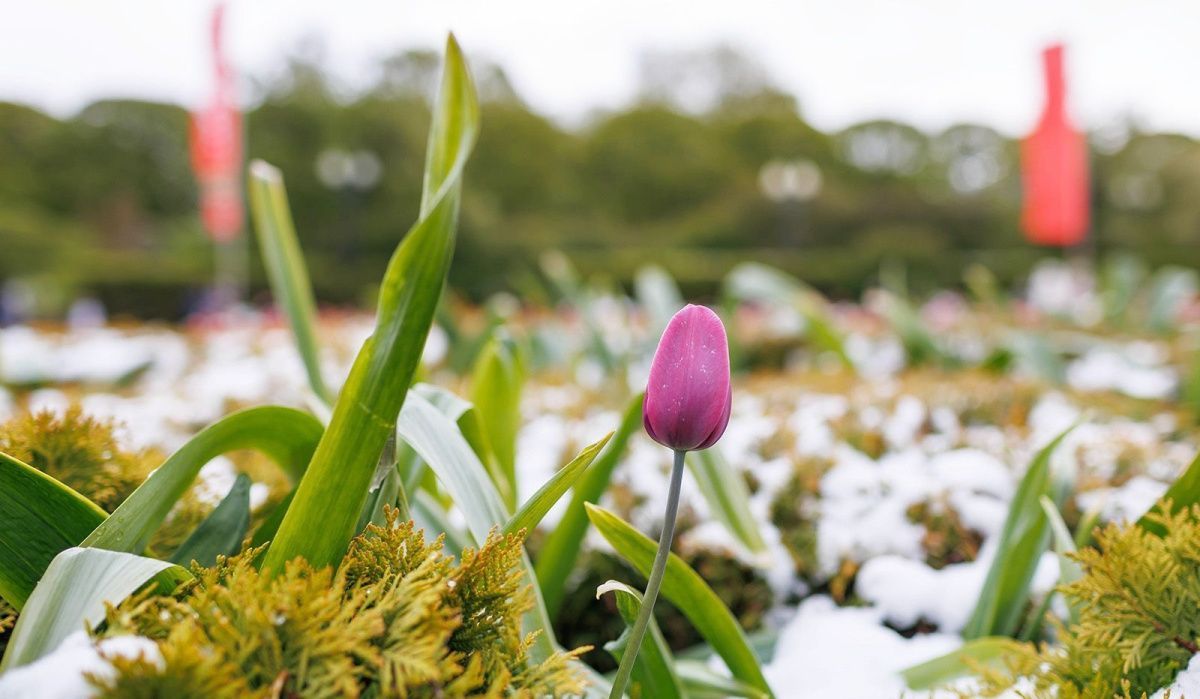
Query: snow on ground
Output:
(1186,684)
(1135,370)
(929,455)
(846,652)
(60,674)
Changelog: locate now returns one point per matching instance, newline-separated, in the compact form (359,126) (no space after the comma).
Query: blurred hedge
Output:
(103,202)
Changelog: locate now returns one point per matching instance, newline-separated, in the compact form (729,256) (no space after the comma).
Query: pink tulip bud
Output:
(688,396)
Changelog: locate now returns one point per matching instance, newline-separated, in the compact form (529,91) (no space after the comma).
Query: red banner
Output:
(216,146)
(1054,168)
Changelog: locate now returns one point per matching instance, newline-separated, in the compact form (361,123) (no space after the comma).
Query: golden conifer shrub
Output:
(399,618)
(1138,623)
(79,450)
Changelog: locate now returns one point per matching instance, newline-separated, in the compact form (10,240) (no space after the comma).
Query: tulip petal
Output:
(688,395)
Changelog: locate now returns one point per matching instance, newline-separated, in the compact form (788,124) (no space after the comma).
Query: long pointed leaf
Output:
(39,518)
(653,671)
(659,296)
(322,517)
(727,496)
(1022,540)
(222,532)
(285,435)
(946,668)
(285,267)
(561,548)
(438,441)
(687,591)
(700,682)
(540,503)
(1183,493)
(72,594)
(496,393)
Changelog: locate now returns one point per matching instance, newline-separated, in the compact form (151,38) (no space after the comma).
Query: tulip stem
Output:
(638,632)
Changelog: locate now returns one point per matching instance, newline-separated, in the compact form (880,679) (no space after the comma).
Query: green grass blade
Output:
(72,594)
(920,345)
(658,295)
(540,503)
(687,591)
(496,393)
(957,664)
(1064,544)
(561,548)
(285,267)
(429,515)
(1033,353)
(821,330)
(387,494)
(1169,288)
(39,518)
(727,496)
(438,441)
(1183,493)
(654,669)
(286,436)
(759,283)
(222,532)
(1069,570)
(440,444)
(700,682)
(1025,535)
(322,518)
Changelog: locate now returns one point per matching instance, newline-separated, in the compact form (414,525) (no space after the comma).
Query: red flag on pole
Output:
(1054,168)
(216,145)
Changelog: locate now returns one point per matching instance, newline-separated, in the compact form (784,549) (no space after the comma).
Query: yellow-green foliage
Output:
(399,618)
(82,452)
(8,617)
(1138,622)
(78,450)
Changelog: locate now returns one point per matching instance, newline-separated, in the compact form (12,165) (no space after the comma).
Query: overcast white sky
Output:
(930,62)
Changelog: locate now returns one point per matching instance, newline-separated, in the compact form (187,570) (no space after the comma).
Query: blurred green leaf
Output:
(1183,493)
(653,671)
(561,549)
(1064,544)
(285,267)
(753,282)
(335,487)
(982,284)
(222,532)
(496,394)
(536,507)
(1170,287)
(1122,277)
(988,651)
(288,437)
(1024,537)
(658,295)
(727,496)
(685,589)
(1033,353)
(1069,571)
(700,682)
(72,594)
(39,518)
(920,346)
(441,445)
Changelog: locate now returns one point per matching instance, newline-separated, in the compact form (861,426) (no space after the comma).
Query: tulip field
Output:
(615,492)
